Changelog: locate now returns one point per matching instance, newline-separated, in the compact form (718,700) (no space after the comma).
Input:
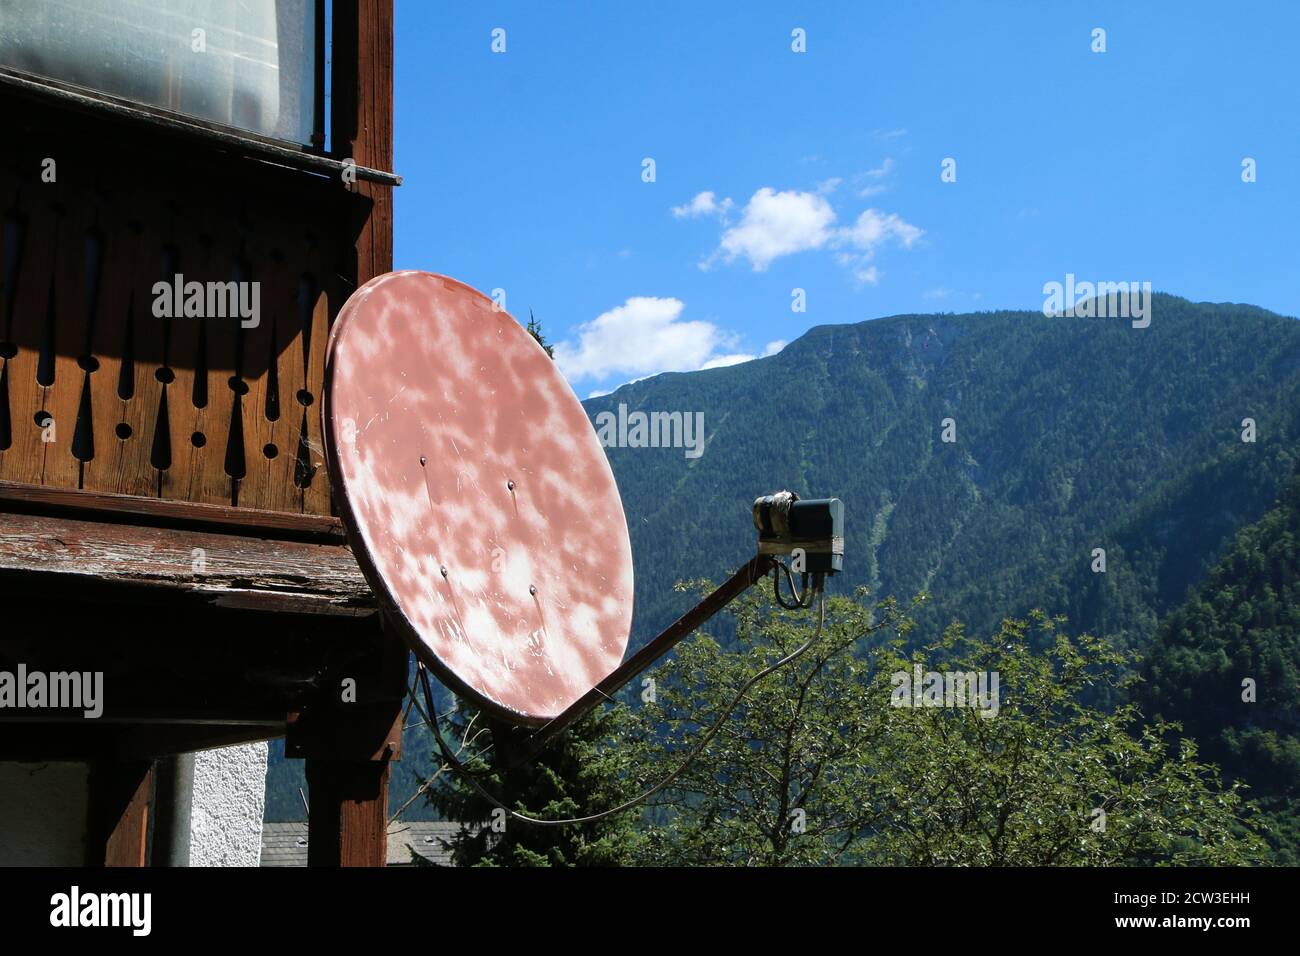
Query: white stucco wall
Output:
(229,798)
(43,810)
(43,814)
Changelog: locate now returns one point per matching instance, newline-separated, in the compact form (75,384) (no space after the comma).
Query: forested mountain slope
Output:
(1226,664)
(1071,434)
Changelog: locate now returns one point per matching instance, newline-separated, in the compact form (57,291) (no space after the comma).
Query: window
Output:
(248,64)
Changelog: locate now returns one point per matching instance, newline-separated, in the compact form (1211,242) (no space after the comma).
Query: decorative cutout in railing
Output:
(98,392)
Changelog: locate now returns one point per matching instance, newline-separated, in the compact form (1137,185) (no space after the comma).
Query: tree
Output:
(1227,665)
(1049,780)
(819,765)
(780,783)
(583,772)
(535,330)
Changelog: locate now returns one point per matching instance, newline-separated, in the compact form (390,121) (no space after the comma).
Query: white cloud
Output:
(881,171)
(776,224)
(597,393)
(704,204)
(643,336)
(884,135)
(874,227)
(722,361)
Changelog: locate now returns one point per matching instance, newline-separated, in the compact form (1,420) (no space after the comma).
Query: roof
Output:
(285,844)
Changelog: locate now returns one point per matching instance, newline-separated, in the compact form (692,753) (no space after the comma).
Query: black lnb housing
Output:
(814,526)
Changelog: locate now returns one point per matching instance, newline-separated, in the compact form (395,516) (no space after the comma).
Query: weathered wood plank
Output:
(324,302)
(63,396)
(216,569)
(161,511)
(147,266)
(270,351)
(201,354)
(121,462)
(25,458)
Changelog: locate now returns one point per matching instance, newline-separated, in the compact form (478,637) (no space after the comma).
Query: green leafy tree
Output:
(818,766)
(1048,779)
(781,782)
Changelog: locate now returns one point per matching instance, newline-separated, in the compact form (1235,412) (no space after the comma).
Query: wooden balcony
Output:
(165,509)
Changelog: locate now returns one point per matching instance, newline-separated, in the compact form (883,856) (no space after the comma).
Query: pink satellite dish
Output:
(477,497)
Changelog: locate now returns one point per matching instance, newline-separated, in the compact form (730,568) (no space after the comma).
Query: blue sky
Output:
(524,169)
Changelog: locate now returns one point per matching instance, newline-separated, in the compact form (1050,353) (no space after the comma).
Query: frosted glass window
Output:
(249,64)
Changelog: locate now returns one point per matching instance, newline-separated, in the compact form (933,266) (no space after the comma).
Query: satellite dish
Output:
(478,500)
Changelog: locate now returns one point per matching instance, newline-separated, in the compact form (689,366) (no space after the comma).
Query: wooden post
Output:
(348,825)
(348,754)
(349,748)
(361,121)
(117,831)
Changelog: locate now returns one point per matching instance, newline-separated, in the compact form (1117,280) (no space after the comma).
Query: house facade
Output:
(189,193)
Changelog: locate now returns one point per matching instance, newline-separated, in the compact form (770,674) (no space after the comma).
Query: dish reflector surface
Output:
(478,499)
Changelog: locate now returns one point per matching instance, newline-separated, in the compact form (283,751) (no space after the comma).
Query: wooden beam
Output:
(164,512)
(361,732)
(90,743)
(202,568)
(118,807)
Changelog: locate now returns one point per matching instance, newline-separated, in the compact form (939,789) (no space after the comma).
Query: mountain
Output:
(1226,665)
(1071,434)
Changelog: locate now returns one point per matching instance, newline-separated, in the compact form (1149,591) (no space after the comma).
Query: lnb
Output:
(813,526)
